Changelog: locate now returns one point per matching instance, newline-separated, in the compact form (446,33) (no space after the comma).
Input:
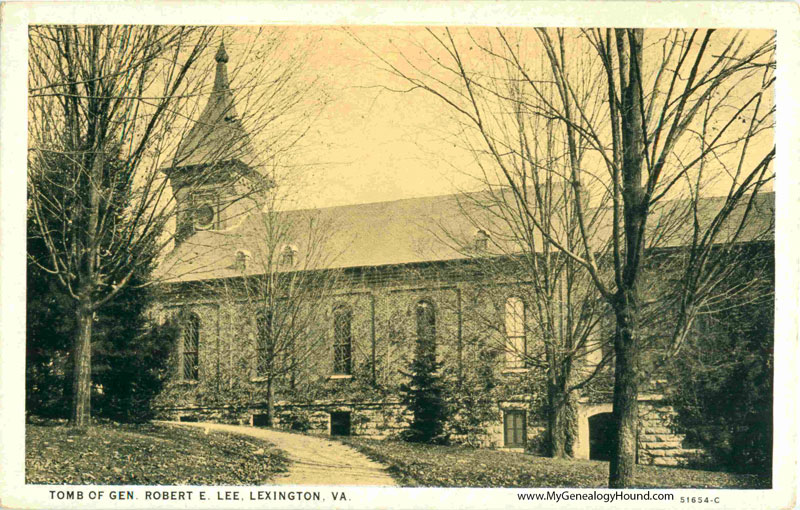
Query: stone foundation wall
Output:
(377,420)
(658,444)
(222,414)
(373,420)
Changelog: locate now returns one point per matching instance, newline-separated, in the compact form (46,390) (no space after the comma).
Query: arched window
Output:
(481,240)
(342,341)
(191,346)
(426,328)
(263,341)
(515,333)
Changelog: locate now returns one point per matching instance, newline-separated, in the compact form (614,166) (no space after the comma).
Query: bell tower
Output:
(215,174)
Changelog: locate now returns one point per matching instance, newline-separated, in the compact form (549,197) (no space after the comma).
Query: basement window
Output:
(515,429)
(340,423)
(259,420)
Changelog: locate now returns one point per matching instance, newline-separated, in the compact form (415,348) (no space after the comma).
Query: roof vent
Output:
(481,240)
(288,256)
(242,259)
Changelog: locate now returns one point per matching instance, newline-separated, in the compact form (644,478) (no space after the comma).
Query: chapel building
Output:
(401,272)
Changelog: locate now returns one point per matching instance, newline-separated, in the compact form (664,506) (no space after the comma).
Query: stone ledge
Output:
(665,461)
(654,429)
(672,445)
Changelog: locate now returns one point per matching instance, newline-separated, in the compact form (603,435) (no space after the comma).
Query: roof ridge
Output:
(386,237)
(376,202)
(462,193)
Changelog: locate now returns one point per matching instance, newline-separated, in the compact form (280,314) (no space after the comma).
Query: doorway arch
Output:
(601,436)
(582,448)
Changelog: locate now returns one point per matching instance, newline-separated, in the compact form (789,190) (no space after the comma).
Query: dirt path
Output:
(315,460)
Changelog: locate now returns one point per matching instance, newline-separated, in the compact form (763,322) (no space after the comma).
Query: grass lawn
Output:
(146,455)
(415,465)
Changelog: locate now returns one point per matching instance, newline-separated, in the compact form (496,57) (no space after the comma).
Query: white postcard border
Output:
(16,16)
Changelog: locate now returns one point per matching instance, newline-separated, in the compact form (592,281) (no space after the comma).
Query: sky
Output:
(380,145)
(371,143)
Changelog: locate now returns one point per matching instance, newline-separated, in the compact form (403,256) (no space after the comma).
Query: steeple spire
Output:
(210,161)
(222,55)
(218,134)
(221,84)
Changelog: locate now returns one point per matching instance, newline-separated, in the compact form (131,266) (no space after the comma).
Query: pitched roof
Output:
(374,234)
(428,229)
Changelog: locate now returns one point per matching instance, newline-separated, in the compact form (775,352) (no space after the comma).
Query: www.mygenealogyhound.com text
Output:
(604,497)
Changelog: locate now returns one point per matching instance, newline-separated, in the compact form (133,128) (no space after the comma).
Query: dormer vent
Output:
(242,259)
(481,240)
(288,257)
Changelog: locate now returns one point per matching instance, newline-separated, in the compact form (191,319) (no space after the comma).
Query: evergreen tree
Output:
(424,392)
(130,355)
(724,389)
(723,382)
(471,397)
(49,327)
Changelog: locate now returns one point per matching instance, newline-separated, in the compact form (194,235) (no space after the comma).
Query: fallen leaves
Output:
(451,466)
(147,455)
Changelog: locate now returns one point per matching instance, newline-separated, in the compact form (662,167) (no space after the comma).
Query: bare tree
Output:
(552,300)
(544,314)
(108,107)
(650,121)
(280,296)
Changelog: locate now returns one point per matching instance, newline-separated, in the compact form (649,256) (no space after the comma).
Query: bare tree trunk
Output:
(82,369)
(558,423)
(626,302)
(81,389)
(270,401)
(626,393)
